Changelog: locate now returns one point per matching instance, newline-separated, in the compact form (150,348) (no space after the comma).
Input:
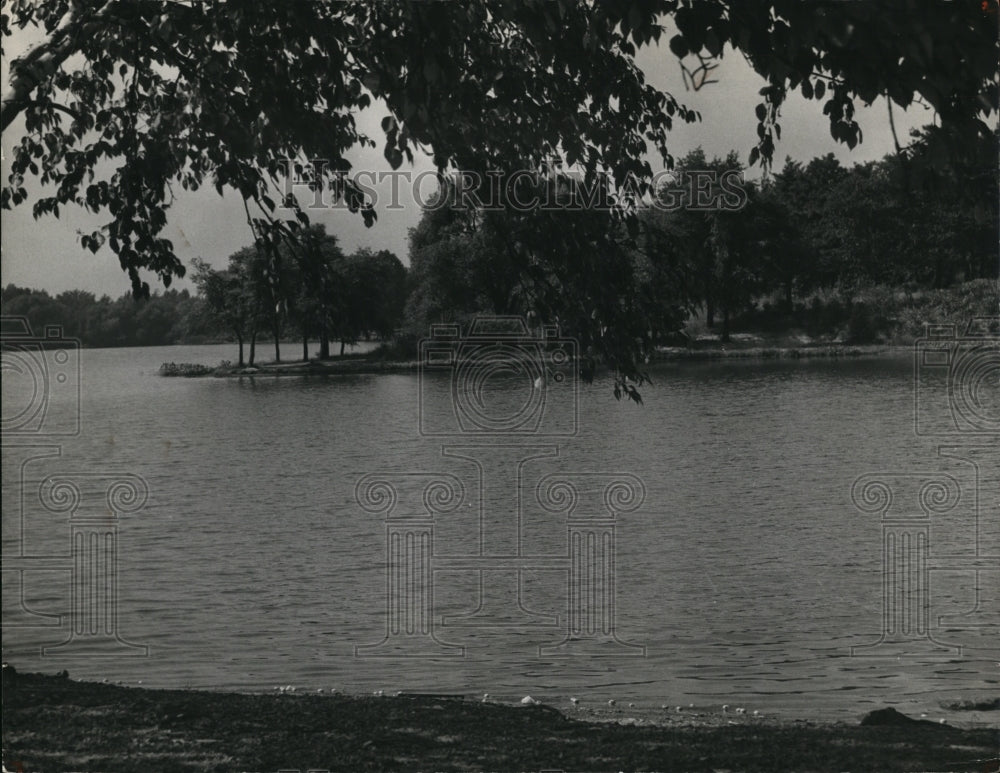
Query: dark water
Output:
(747,574)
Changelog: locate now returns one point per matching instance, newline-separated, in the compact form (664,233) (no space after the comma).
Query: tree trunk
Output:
(253,347)
(240,339)
(324,321)
(341,347)
(277,342)
(305,348)
(709,311)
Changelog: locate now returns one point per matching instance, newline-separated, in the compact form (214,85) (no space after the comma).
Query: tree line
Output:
(308,290)
(170,317)
(127,104)
(706,245)
(307,287)
(711,243)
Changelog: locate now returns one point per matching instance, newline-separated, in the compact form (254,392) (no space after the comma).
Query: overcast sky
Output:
(46,254)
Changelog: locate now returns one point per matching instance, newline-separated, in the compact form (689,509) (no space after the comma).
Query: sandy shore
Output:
(54,723)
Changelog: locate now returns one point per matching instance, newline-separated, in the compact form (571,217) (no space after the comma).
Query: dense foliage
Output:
(320,295)
(818,247)
(306,286)
(123,101)
(716,243)
(897,222)
(173,317)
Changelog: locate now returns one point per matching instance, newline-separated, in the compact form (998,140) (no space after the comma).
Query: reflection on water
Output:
(747,573)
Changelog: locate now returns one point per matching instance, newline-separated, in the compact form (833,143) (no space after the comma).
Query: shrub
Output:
(403,347)
(865,325)
(186,369)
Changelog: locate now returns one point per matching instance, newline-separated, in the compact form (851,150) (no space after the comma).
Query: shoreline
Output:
(56,723)
(764,352)
(361,365)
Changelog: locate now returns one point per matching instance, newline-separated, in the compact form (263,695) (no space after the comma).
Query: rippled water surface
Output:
(747,574)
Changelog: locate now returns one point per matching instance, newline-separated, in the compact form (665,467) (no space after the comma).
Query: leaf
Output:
(712,43)
(393,156)
(679,46)
(634,17)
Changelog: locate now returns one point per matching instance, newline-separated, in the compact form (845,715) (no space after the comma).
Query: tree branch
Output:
(40,63)
(30,70)
(55,106)
(892,125)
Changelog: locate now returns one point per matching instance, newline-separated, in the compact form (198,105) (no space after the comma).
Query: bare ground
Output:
(53,723)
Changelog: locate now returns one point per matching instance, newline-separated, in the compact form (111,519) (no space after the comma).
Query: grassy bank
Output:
(333,367)
(370,365)
(877,314)
(53,723)
(742,346)
(754,348)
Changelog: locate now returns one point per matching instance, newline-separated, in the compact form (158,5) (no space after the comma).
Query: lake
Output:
(745,575)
